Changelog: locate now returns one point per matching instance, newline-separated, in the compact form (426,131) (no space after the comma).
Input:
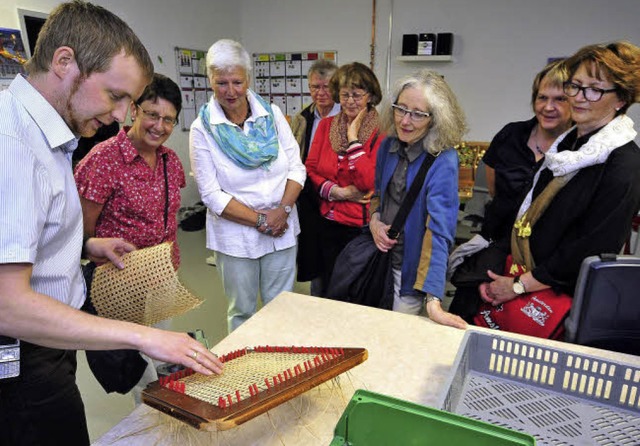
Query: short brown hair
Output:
(619,61)
(355,75)
(95,35)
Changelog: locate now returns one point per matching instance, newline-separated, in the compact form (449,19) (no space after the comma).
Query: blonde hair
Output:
(448,122)
(554,73)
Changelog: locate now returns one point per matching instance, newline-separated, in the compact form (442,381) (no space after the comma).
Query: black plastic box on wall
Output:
(409,44)
(444,44)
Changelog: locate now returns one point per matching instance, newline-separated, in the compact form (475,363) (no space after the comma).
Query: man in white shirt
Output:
(87,67)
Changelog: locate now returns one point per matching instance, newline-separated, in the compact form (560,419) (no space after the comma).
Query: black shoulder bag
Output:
(362,273)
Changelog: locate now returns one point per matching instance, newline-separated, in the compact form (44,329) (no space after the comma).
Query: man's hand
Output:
(101,250)
(179,348)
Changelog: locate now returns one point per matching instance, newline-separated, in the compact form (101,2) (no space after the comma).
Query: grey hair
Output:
(323,68)
(227,54)
(448,122)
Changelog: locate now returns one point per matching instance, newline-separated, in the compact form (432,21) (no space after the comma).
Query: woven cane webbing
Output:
(242,372)
(254,381)
(146,291)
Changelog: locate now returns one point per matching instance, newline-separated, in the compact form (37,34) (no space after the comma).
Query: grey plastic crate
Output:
(559,397)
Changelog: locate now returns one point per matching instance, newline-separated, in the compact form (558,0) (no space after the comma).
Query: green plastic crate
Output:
(372,419)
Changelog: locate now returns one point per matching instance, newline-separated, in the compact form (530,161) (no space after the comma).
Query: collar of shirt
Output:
(127,149)
(56,132)
(411,152)
(334,111)
(217,116)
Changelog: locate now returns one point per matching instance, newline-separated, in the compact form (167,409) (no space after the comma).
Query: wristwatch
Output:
(287,208)
(431,298)
(518,286)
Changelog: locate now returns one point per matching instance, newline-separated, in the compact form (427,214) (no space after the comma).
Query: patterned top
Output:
(133,194)
(40,214)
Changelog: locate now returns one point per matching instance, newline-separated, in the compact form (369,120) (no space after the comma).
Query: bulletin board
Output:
(281,78)
(193,81)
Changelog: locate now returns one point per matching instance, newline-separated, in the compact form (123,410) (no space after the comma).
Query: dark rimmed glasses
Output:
(414,115)
(591,94)
(155,117)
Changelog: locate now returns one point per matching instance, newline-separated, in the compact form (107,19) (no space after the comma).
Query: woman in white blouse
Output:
(247,166)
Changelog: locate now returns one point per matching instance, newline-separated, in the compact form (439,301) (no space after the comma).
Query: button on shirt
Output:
(40,213)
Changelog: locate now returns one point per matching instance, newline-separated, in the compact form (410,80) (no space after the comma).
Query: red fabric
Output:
(132,193)
(540,313)
(325,167)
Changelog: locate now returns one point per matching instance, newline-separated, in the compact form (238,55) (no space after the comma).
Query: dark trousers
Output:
(43,406)
(333,238)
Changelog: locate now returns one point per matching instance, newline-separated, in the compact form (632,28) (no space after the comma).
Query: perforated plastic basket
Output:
(559,397)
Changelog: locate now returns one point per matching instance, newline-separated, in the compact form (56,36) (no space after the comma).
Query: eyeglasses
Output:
(155,117)
(415,115)
(316,88)
(357,97)
(591,94)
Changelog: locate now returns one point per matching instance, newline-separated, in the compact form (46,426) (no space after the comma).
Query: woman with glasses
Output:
(247,167)
(582,201)
(129,185)
(341,165)
(423,119)
(515,154)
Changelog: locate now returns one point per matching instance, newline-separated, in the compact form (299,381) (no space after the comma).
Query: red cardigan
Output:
(326,168)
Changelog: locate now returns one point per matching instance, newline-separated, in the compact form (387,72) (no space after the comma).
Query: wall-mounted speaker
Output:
(409,44)
(444,44)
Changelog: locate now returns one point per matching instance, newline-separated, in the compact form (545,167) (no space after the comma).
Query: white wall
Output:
(498,45)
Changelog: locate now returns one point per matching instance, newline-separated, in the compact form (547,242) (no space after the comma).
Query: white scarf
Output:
(618,132)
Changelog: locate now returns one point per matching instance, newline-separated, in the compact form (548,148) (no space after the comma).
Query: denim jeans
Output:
(243,278)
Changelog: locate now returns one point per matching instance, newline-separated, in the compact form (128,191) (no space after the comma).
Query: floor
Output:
(106,410)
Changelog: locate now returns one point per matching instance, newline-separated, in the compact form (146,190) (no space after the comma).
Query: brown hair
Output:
(355,75)
(95,35)
(618,61)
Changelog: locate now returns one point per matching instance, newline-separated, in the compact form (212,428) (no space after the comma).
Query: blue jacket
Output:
(430,228)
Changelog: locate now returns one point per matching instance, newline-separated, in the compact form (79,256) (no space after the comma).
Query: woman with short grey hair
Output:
(247,167)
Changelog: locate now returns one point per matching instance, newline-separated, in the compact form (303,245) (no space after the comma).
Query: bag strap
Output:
(166,194)
(410,198)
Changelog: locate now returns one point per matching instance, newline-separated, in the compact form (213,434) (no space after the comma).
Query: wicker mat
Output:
(146,291)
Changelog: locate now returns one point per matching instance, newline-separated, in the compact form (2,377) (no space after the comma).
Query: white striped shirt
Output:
(40,213)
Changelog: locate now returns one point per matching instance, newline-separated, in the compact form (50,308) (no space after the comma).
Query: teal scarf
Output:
(259,148)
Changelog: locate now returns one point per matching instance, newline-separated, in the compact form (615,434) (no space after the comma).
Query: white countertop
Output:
(410,357)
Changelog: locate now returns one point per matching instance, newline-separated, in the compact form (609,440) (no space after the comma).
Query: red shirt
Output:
(326,168)
(133,194)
